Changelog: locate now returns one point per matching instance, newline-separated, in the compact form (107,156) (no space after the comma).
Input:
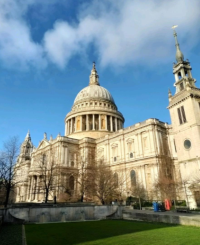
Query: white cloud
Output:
(17,48)
(122,32)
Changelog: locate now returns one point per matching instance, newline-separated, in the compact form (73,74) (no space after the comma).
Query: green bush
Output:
(147,204)
(181,203)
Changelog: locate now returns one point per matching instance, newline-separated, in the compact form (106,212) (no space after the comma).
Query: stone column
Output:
(99,122)
(93,122)
(182,73)
(37,189)
(176,77)
(87,122)
(71,130)
(106,122)
(75,124)
(116,124)
(28,189)
(122,147)
(111,124)
(65,128)
(31,187)
(138,145)
(157,139)
(141,144)
(68,127)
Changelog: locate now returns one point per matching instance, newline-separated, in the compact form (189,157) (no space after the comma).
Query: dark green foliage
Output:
(11,235)
(181,203)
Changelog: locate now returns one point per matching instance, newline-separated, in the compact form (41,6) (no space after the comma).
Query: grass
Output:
(111,232)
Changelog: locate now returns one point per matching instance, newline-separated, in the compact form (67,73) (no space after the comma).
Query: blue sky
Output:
(47,50)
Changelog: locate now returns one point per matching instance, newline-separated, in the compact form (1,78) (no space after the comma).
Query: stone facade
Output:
(95,124)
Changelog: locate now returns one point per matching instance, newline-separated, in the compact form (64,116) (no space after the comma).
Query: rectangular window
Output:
(181,115)
(114,153)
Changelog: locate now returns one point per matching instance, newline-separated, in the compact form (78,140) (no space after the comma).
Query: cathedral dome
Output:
(94,92)
(94,112)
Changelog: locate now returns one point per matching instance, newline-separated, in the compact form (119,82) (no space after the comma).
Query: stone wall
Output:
(165,217)
(58,214)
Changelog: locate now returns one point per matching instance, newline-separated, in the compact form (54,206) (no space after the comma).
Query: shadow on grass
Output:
(11,234)
(86,232)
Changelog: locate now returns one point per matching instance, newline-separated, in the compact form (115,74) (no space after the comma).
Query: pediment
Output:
(43,144)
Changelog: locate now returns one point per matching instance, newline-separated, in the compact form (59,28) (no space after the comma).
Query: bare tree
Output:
(105,186)
(139,192)
(8,175)
(123,181)
(86,175)
(166,185)
(49,172)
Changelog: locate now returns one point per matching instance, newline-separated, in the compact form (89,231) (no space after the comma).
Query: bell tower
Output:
(182,70)
(184,108)
(26,149)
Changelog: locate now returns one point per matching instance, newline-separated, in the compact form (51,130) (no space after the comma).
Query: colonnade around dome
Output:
(93,122)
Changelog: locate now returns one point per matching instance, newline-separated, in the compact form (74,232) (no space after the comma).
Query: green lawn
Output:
(116,232)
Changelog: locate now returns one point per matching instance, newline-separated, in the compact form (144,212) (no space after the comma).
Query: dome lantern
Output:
(94,77)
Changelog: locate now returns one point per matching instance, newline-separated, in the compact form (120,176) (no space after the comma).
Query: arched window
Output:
(71,183)
(116,179)
(133,178)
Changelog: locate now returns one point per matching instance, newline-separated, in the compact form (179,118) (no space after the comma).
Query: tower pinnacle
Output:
(94,77)
(28,136)
(179,54)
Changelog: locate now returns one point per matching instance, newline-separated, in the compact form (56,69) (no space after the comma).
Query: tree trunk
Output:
(174,203)
(7,196)
(46,195)
(140,204)
(102,201)
(82,197)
